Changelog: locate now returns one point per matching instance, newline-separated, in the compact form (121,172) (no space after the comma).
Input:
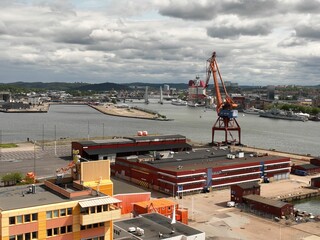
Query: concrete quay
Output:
(133,112)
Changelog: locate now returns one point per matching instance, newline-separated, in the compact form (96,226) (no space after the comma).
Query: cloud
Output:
(158,40)
(235,30)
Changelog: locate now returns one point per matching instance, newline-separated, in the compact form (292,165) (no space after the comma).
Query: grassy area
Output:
(8,145)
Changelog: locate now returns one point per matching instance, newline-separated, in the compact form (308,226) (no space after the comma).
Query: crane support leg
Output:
(228,125)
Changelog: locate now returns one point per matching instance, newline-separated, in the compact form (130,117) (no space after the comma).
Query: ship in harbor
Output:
(285,115)
(178,102)
(253,110)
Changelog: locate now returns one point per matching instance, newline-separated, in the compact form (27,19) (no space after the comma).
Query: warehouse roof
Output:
(160,147)
(154,225)
(206,158)
(132,139)
(309,166)
(266,201)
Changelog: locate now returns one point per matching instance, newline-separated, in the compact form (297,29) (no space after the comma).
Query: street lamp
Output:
(34,157)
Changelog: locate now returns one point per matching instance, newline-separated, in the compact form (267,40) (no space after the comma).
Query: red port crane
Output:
(226,109)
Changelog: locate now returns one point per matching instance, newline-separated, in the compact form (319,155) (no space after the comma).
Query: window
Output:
(12,238)
(63,212)
(63,230)
(92,210)
(69,228)
(55,231)
(69,211)
(95,225)
(49,232)
(27,236)
(12,220)
(34,216)
(55,213)
(105,208)
(20,237)
(99,209)
(49,214)
(34,235)
(19,219)
(27,218)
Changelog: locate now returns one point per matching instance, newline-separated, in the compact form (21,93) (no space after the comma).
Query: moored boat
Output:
(285,115)
(178,102)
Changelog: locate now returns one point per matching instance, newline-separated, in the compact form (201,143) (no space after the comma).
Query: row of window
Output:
(59,213)
(95,209)
(25,236)
(84,227)
(59,230)
(23,218)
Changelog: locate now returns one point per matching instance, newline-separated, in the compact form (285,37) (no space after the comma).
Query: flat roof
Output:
(16,197)
(154,223)
(120,149)
(309,166)
(206,158)
(156,203)
(266,201)
(122,187)
(132,139)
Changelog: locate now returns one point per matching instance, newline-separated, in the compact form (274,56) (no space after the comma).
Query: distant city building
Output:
(166,87)
(270,92)
(34,100)
(5,97)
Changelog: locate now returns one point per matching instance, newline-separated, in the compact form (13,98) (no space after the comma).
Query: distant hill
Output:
(56,86)
(99,87)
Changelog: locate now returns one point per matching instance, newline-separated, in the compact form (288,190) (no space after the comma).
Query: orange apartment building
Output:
(77,207)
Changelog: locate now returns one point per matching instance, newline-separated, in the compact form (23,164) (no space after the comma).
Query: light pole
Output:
(34,157)
(55,140)
(102,130)
(88,130)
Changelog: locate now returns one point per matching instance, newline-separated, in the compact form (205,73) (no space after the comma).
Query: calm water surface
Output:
(78,121)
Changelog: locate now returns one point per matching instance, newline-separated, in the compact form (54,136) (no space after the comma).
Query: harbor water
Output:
(80,121)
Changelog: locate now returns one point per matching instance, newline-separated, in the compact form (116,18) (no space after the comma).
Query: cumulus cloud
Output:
(158,40)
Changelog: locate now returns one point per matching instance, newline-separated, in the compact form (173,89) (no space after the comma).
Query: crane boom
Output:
(213,68)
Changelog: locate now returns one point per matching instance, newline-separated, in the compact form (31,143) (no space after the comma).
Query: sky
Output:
(257,42)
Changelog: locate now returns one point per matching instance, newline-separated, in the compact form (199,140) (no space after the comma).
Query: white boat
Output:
(253,110)
(194,104)
(178,102)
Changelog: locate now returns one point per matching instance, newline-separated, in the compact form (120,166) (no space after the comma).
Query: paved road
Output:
(43,162)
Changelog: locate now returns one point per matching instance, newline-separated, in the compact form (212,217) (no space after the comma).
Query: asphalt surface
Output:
(43,161)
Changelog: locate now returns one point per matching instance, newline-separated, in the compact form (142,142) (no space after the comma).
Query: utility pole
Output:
(88,130)
(55,140)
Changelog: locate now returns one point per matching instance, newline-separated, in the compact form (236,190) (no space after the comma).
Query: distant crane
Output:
(225,108)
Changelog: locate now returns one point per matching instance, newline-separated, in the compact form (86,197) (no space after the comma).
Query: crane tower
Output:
(226,109)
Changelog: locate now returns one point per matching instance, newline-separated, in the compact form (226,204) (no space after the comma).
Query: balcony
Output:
(93,218)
